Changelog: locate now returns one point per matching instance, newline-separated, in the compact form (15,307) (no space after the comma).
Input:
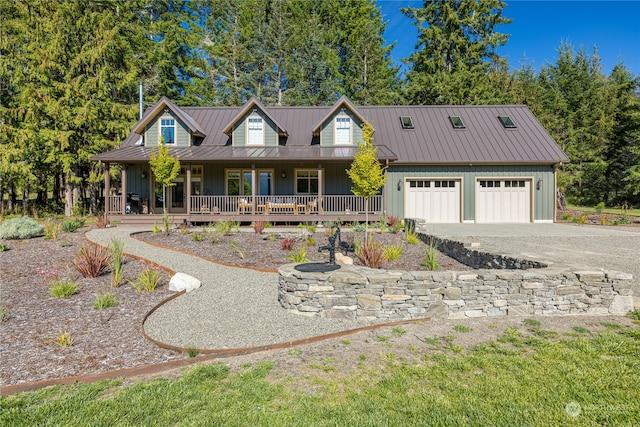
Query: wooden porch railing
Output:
(114,204)
(285,204)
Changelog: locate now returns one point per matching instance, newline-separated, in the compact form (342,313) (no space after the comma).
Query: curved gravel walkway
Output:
(234,308)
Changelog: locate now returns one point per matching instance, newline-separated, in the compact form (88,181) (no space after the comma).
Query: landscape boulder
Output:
(182,281)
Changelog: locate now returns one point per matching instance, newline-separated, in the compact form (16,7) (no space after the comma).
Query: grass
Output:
(613,211)
(490,384)
(105,300)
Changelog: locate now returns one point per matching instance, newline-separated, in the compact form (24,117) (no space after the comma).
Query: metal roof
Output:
(433,140)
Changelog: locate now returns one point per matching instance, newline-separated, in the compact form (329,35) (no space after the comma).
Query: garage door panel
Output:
(433,200)
(503,201)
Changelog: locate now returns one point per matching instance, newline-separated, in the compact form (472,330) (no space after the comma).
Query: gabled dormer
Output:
(255,126)
(341,126)
(167,120)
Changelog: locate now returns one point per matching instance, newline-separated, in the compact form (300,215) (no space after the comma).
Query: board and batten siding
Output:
(269,129)
(327,130)
(543,198)
(152,135)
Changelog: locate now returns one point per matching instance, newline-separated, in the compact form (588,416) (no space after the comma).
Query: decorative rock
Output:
(621,305)
(590,276)
(343,259)
(183,282)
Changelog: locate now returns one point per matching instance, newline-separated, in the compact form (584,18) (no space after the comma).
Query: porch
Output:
(276,209)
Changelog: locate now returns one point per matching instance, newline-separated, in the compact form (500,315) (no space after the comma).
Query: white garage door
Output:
(503,201)
(432,200)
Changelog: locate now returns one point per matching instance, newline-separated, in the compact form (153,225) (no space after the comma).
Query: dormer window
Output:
(255,131)
(507,122)
(457,122)
(343,130)
(168,130)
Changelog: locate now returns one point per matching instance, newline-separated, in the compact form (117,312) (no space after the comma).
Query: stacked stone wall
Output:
(360,293)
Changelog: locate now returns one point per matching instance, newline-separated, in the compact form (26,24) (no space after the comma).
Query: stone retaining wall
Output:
(361,293)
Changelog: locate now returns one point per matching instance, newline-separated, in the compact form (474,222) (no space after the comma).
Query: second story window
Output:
(168,130)
(255,132)
(343,131)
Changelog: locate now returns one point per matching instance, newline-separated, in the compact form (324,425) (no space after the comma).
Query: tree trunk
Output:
(68,197)
(25,198)
(11,202)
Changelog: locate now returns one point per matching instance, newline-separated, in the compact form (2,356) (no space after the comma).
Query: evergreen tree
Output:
(456,51)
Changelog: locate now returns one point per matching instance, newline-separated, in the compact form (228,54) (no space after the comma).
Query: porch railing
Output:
(114,204)
(345,204)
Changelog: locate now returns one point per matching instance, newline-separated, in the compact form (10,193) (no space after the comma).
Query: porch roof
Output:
(226,153)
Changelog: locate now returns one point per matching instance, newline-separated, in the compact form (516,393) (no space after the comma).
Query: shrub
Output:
(105,300)
(600,207)
(287,243)
(371,253)
(392,253)
(147,280)
(411,237)
(395,224)
(21,227)
(298,255)
(258,226)
(71,225)
(431,257)
(92,261)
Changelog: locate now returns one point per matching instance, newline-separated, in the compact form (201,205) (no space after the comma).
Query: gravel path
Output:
(234,308)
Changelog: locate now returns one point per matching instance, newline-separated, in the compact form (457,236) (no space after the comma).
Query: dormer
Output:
(341,126)
(167,120)
(254,126)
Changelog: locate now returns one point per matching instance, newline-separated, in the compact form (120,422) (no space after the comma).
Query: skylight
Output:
(457,122)
(407,122)
(507,122)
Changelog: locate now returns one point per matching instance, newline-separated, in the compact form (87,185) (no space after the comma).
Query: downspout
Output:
(141,100)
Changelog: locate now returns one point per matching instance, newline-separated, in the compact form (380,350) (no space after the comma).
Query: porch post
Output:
(320,185)
(188,189)
(124,189)
(107,188)
(254,181)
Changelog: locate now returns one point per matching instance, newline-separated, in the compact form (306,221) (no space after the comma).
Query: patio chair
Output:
(243,204)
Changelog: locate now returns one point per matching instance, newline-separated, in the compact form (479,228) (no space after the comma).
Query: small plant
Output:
(20,228)
(184,228)
(192,352)
(566,217)
(147,280)
(610,325)
(234,248)
(583,219)
(370,253)
(298,255)
(224,227)
(430,260)
(287,243)
(156,228)
(392,253)
(4,311)
(92,261)
(360,227)
(625,219)
(399,331)
(411,237)
(600,207)
(101,221)
(166,222)
(63,289)
(382,338)
(312,228)
(4,247)
(346,341)
(198,237)
(105,300)
(531,322)
(71,225)
(295,352)
(259,226)
(63,340)
(603,220)
(462,328)
(395,224)
(581,329)
(117,266)
(65,243)
(51,229)
(635,314)
(311,241)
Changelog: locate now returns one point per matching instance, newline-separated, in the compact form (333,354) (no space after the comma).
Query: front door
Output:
(175,194)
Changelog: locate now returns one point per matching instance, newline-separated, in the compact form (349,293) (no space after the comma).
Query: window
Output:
(168,130)
(489,184)
(407,122)
(306,181)
(255,133)
(507,122)
(343,131)
(457,122)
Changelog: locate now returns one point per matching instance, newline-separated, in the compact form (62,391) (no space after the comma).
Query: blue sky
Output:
(539,27)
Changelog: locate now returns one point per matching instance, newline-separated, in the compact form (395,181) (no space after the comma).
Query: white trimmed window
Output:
(168,130)
(255,131)
(343,130)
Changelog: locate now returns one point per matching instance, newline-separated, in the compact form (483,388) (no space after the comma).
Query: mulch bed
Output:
(103,341)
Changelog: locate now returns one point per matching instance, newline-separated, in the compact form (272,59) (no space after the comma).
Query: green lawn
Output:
(614,211)
(527,376)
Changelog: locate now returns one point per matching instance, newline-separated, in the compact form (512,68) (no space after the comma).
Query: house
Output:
(490,163)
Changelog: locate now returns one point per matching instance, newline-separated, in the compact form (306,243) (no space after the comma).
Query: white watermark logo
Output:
(573,409)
